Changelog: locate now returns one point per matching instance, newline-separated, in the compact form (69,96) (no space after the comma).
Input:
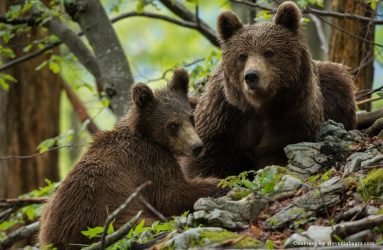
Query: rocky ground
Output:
(329,195)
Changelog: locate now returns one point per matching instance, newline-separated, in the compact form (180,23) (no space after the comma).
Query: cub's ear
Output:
(180,81)
(227,24)
(288,15)
(142,95)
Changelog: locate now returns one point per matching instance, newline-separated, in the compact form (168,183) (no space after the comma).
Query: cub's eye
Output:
(242,57)
(192,120)
(173,126)
(268,53)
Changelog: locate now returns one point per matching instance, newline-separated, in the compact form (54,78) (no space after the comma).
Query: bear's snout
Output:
(252,79)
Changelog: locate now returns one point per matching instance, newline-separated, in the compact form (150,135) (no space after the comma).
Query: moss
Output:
(239,194)
(350,182)
(209,237)
(372,184)
(320,178)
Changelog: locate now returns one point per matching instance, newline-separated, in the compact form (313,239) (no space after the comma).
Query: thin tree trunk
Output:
(29,114)
(352,51)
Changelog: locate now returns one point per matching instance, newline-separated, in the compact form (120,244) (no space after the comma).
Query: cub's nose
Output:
(197,148)
(252,78)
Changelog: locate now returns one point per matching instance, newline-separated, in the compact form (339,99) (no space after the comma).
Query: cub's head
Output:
(264,59)
(166,117)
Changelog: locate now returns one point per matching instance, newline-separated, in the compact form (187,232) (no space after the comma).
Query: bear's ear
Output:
(142,95)
(288,15)
(180,81)
(227,24)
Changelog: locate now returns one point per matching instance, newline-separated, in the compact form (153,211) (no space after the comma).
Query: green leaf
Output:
(30,212)
(110,228)
(380,93)
(41,65)
(93,232)
(46,144)
(269,244)
(140,227)
(54,67)
(27,48)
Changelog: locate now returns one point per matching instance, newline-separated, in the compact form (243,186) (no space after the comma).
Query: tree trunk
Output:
(352,51)
(29,114)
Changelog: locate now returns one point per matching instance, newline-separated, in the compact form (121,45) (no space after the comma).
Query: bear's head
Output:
(166,117)
(261,62)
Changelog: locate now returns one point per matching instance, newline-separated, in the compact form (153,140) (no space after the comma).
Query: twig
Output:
(5,214)
(117,235)
(368,92)
(364,120)
(121,208)
(314,11)
(19,234)
(113,20)
(370,100)
(22,20)
(80,109)
(11,157)
(187,15)
(152,209)
(348,228)
(5,203)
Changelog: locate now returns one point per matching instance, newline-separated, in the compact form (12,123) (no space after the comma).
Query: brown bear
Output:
(266,93)
(143,146)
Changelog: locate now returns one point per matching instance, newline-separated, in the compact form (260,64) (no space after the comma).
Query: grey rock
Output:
(305,158)
(332,131)
(228,213)
(289,183)
(361,160)
(326,196)
(184,240)
(314,236)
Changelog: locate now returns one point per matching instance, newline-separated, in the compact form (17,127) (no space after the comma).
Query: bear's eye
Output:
(268,53)
(173,126)
(242,57)
(192,120)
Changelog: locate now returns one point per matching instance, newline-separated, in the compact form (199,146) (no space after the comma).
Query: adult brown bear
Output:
(141,147)
(266,93)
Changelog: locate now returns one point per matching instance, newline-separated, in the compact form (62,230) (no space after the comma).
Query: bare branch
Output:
(117,235)
(19,202)
(11,157)
(308,10)
(364,120)
(364,93)
(187,15)
(152,209)
(34,54)
(22,20)
(348,228)
(19,234)
(121,208)
(80,109)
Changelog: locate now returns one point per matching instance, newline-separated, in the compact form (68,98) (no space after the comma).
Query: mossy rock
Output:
(210,237)
(372,184)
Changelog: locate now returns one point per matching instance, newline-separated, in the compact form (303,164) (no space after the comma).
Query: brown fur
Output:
(246,127)
(141,147)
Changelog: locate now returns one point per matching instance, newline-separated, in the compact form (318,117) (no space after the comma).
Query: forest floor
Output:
(329,195)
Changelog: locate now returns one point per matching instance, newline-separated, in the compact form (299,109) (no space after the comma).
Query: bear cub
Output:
(143,146)
(267,93)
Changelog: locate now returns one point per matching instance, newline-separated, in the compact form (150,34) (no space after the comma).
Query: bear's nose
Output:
(197,148)
(252,78)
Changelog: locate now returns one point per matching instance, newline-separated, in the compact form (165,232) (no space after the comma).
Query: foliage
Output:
(30,212)
(265,180)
